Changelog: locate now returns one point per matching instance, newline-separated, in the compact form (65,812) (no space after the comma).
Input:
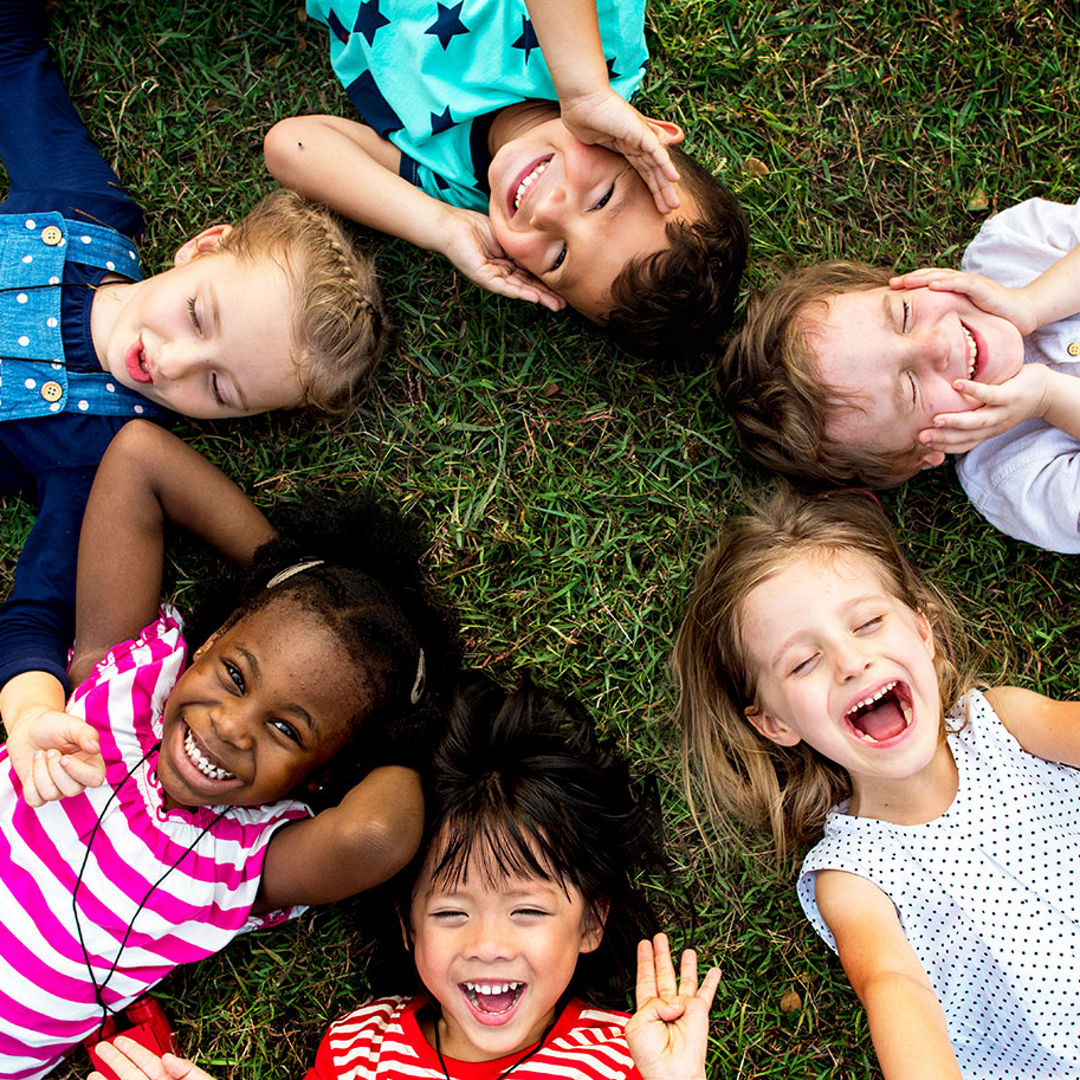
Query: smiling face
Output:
(496,956)
(845,666)
(266,704)
(897,353)
(574,215)
(212,337)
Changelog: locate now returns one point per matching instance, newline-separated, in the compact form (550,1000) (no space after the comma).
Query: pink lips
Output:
(511,208)
(492,1019)
(135,363)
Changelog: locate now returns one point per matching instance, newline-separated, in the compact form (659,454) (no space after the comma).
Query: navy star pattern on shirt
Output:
(448,25)
(337,27)
(369,20)
(612,74)
(527,41)
(442,121)
(372,106)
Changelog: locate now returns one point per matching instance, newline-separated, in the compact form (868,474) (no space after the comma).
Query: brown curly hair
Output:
(679,301)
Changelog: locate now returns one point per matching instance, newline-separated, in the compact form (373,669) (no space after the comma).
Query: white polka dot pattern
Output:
(988,895)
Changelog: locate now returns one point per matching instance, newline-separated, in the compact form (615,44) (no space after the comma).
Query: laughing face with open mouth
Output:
(497,955)
(266,704)
(844,665)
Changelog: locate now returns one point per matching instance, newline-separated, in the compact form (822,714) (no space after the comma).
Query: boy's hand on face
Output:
(1001,407)
(991,296)
(132,1061)
(469,243)
(669,1034)
(55,755)
(605,119)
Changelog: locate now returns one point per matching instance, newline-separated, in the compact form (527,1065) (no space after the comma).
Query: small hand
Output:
(669,1033)
(470,245)
(987,295)
(1001,407)
(132,1061)
(605,119)
(55,755)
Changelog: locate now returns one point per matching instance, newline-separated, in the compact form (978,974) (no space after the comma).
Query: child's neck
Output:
(515,120)
(910,800)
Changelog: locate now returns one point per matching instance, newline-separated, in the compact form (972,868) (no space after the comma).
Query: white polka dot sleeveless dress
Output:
(988,895)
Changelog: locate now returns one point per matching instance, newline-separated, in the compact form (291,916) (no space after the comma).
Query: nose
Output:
(231,724)
(488,941)
(850,660)
(934,348)
(178,360)
(549,207)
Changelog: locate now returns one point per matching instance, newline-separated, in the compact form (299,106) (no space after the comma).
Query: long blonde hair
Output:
(729,769)
(340,326)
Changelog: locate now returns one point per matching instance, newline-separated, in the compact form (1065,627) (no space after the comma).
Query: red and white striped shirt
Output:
(382,1040)
(47,1001)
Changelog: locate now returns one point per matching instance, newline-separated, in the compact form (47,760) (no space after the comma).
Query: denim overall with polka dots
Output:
(34,380)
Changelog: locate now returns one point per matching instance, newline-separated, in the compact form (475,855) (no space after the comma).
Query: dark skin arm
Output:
(147,477)
(367,838)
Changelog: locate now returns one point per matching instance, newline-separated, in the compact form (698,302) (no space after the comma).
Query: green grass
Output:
(569,491)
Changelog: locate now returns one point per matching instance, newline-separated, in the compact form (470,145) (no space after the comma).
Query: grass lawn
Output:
(569,491)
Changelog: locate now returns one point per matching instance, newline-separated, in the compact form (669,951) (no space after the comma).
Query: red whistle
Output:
(144,1021)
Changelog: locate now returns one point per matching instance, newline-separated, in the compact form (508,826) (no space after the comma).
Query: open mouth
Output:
(973,353)
(493,999)
(883,715)
(203,760)
(527,180)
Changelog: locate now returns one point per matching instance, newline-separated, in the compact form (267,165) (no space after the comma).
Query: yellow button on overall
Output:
(51,235)
(52,391)
(1074,348)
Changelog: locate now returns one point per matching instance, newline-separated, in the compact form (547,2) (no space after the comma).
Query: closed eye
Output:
(906,317)
(606,199)
(914,389)
(804,666)
(559,260)
(530,912)
(870,625)
(216,390)
(194,315)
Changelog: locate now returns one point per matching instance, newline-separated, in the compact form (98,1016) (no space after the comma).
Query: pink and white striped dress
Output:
(47,1000)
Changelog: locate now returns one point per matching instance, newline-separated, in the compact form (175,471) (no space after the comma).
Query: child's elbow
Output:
(283,146)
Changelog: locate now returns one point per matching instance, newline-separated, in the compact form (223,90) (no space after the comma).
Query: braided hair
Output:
(341,326)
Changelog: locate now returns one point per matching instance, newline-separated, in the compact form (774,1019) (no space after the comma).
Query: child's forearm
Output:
(367,838)
(146,477)
(569,36)
(347,166)
(28,695)
(1055,293)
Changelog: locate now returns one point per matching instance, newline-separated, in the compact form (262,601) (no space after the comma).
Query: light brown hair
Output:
(340,326)
(729,768)
(769,381)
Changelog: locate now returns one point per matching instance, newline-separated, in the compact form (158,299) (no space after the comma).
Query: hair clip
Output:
(417,691)
(289,571)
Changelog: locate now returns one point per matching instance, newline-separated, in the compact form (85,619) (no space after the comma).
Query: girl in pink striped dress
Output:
(521,918)
(202,829)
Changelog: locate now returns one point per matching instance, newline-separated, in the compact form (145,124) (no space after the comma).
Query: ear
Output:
(202,244)
(668,133)
(206,645)
(406,933)
(930,459)
(926,632)
(595,918)
(773,729)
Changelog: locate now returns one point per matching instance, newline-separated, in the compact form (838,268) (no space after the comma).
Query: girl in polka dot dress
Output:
(86,346)
(820,699)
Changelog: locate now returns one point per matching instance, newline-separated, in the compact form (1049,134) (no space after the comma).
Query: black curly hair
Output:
(362,576)
(522,781)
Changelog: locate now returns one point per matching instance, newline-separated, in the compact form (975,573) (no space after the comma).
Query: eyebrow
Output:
(297,710)
(793,638)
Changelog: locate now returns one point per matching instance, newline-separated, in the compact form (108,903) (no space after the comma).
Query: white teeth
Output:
(534,175)
(201,762)
(867,701)
(491,988)
(972,351)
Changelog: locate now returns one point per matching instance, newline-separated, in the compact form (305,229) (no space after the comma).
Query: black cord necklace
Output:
(99,988)
(524,1057)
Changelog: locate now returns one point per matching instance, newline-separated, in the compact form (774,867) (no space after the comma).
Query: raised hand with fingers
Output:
(603,118)
(669,1034)
(988,295)
(55,755)
(469,243)
(132,1061)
